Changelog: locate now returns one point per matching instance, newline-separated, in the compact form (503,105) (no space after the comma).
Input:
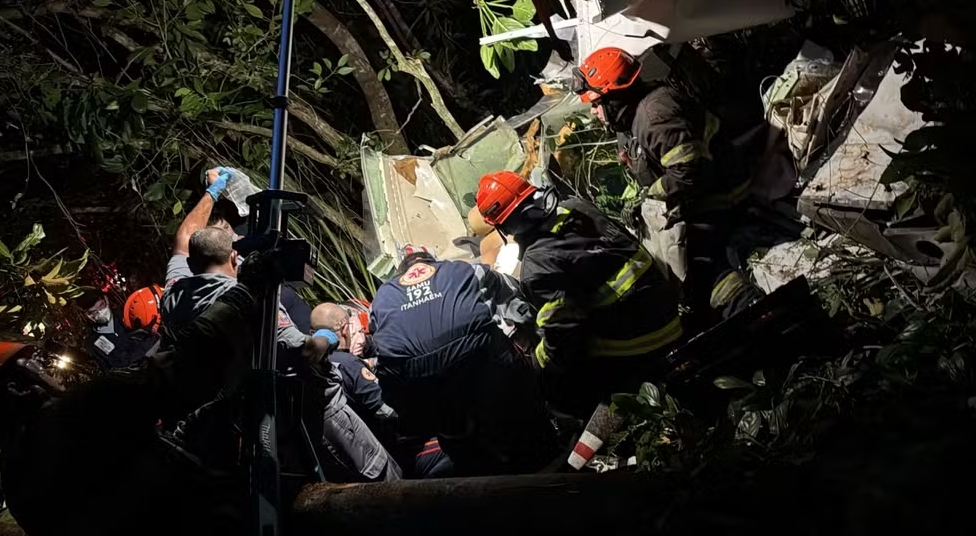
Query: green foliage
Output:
(324,71)
(494,20)
(33,290)
(391,66)
(188,91)
(906,340)
(909,340)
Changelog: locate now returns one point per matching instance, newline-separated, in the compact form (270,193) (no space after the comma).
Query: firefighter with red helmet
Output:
(112,343)
(605,312)
(678,154)
(141,309)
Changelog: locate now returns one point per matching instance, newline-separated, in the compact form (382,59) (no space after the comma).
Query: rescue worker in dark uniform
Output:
(111,344)
(339,323)
(204,266)
(605,313)
(678,154)
(92,461)
(448,370)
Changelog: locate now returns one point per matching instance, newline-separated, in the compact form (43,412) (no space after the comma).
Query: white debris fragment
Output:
(789,260)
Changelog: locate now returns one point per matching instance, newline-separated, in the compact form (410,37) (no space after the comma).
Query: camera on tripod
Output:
(294,255)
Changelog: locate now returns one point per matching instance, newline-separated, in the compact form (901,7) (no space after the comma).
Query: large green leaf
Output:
(505,24)
(193,12)
(507,57)
(53,274)
(650,393)
(4,252)
(34,238)
(488,59)
(529,45)
(73,268)
(523,10)
(253,11)
(140,102)
(731,382)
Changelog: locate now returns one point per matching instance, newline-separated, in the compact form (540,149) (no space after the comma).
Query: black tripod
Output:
(267,231)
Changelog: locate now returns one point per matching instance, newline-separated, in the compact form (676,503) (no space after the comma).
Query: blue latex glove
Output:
(219,184)
(327,334)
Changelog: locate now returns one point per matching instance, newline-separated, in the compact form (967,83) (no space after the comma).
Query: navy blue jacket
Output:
(432,314)
(360,384)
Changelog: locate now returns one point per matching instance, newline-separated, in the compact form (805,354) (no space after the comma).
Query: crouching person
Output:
(448,369)
(91,462)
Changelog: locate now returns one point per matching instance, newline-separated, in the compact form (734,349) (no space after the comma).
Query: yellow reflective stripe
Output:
(540,355)
(625,278)
(727,287)
(682,154)
(687,152)
(558,311)
(547,310)
(640,345)
(740,192)
(657,190)
(711,129)
(562,215)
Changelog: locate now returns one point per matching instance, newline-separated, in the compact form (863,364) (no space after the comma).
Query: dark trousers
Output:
(485,407)
(707,240)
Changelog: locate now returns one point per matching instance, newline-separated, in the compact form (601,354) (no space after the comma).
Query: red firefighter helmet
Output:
(603,71)
(141,310)
(500,193)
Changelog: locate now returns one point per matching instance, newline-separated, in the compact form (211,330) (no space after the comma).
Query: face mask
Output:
(101,317)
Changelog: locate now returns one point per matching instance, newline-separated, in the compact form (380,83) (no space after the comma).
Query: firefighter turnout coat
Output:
(675,147)
(601,302)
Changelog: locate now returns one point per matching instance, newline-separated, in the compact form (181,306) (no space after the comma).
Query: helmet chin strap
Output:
(531,215)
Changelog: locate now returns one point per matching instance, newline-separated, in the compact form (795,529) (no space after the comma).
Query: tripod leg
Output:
(309,444)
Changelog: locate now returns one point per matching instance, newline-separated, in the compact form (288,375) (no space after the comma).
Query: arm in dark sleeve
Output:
(208,355)
(496,287)
(561,321)
(670,143)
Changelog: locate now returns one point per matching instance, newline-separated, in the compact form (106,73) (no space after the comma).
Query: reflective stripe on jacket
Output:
(675,148)
(595,291)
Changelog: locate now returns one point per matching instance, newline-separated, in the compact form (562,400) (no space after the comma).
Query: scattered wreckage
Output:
(832,128)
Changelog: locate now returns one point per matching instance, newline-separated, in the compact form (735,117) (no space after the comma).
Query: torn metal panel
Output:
(408,205)
(849,177)
(845,193)
(492,146)
(637,25)
(801,258)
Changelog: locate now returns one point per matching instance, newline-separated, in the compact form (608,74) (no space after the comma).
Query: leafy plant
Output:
(153,94)
(324,70)
(34,290)
(391,67)
(498,18)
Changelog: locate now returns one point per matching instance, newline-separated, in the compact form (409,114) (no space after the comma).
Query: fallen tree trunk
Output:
(560,504)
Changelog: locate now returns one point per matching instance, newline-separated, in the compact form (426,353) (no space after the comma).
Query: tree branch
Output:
(444,81)
(298,108)
(302,111)
(380,105)
(298,146)
(415,68)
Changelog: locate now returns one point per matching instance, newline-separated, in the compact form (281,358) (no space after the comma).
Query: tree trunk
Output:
(562,504)
(415,68)
(380,106)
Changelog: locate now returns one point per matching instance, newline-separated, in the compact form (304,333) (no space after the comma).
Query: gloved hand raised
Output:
(217,181)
